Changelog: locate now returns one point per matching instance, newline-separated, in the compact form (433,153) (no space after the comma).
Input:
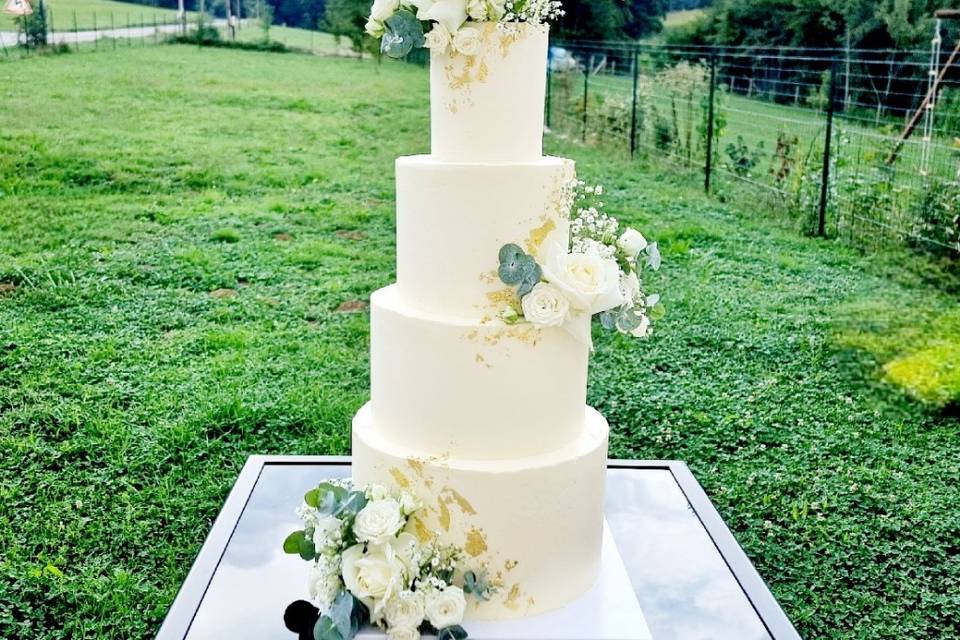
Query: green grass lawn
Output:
(62,14)
(179,230)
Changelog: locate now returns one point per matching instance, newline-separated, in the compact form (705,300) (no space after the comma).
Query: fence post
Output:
(633,108)
(708,163)
(76,34)
(586,84)
(827,143)
(53,35)
(113,32)
(96,38)
(549,84)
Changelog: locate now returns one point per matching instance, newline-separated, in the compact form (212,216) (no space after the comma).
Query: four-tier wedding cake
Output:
(478,468)
(486,421)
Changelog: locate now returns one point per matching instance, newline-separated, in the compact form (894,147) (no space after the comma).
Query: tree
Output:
(346,19)
(610,19)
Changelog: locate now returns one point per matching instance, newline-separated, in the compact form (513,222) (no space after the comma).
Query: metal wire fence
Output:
(844,141)
(97,31)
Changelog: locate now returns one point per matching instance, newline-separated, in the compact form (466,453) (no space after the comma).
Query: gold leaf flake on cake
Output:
(536,236)
(476,542)
(479,359)
(489,277)
(416,465)
(506,296)
(399,478)
(419,528)
(454,496)
(510,565)
(512,601)
(444,514)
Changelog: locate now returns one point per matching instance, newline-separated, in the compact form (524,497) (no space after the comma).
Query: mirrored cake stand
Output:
(692,579)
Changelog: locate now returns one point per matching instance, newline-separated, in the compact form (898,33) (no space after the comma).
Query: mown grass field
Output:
(92,13)
(184,238)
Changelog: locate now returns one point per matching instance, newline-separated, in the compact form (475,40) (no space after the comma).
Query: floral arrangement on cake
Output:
(597,273)
(448,25)
(373,560)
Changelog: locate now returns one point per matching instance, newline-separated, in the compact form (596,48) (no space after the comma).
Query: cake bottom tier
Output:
(533,525)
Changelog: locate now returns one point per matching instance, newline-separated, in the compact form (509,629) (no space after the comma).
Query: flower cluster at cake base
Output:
(373,560)
(596,272)
(449,26)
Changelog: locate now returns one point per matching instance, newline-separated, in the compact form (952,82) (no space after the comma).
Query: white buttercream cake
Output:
(486,421)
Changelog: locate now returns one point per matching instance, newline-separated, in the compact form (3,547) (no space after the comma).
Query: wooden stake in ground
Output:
(930,98)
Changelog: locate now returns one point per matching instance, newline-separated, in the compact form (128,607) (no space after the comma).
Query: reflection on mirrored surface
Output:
(682,582)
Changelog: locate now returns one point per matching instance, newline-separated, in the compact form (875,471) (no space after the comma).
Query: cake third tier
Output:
(473,390)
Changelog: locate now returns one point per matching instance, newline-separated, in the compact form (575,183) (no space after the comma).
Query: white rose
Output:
(377,491)
(467,41)
(591,283)
(445,608)
(378,521)
(374,28)
(438,39)
(403,633)
(373,577)
(422,7)
(406,609)
(630,285)
(497,9)
(477,10)
(383,9)
(643,330)
(324,583)
(632,242)
(407,549)
(545,305)
(450,13)
(409,503)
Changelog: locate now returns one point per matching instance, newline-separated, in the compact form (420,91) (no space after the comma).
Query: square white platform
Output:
(608,611)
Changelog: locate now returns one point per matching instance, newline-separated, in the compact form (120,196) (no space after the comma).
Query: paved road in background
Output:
(9,38)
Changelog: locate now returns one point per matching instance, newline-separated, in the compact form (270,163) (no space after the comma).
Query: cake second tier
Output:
(453,218)
(470,389)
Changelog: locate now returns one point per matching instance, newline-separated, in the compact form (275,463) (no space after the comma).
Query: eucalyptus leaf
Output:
(608,319)
(351,505)
(628,319)
(652,300)
(312,498)
(402,33)
(653,256)
(330,496)
(455,632)
(341,612)
(325,629)
(308,551)
(292,544)
(512,261)
(658,311)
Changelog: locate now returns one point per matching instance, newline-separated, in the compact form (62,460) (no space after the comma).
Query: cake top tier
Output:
(488,67)
(488,106)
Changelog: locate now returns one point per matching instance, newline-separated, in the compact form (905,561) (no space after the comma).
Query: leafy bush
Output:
(936,215)
(742,160)
(34,27)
